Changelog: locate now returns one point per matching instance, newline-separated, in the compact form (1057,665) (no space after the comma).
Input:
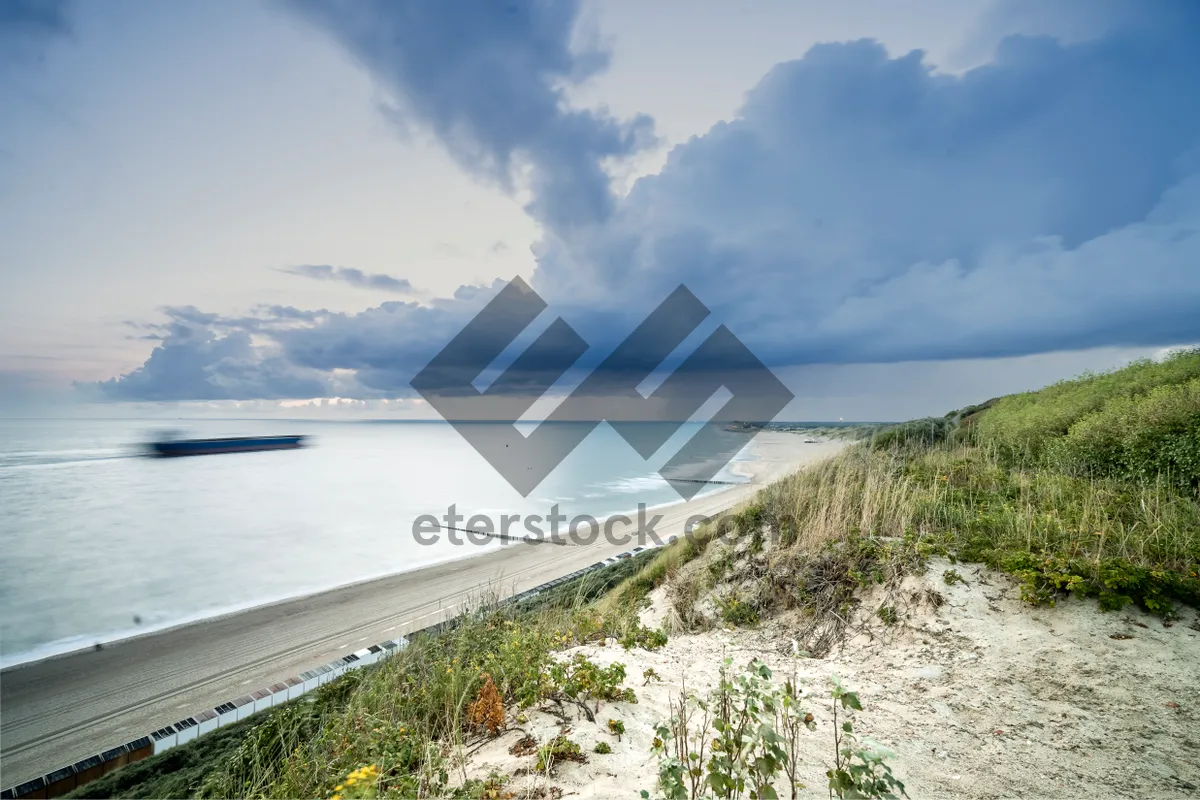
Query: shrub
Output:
(617,728)
(744,737)
(952,576)
(736,611)
(1143,438)
(1024,425)
(917,432)
(858,772)
(719,564)
(486,713)
(582,679)
(639,635)
(557,750)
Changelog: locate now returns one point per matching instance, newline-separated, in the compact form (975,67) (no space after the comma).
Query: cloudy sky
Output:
(899,208)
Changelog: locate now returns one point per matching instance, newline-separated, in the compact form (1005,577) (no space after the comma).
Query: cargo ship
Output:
(231,444)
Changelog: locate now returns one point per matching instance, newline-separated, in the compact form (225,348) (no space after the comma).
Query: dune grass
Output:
(1088,487)
(180,771)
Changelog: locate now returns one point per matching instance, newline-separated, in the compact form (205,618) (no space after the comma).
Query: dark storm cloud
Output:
(860,208)
(34,18)
(487,77)
(26,26)
(863,208)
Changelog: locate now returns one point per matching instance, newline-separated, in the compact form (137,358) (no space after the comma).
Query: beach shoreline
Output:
(68,706)
(73,645)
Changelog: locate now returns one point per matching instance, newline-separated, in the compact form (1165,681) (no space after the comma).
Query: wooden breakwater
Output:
(503,536)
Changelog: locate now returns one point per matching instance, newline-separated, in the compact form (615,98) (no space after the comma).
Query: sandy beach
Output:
(59,710)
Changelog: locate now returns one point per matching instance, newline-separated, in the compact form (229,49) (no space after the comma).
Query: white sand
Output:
(983,697)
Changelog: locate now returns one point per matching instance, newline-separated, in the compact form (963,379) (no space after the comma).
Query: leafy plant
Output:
(747,752)
(736,611)
(681,744)
(888,615)
(486,712)
(557,750)
(858,772)
(643,637)
(790,719)
(491,788)
(744,737)
(582,679)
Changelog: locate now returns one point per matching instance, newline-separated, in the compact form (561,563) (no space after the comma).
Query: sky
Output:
(900,209)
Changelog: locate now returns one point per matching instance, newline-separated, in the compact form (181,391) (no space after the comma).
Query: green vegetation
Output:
(1087,487)
(736,611)
(1140,423)
(590,587)
(743,738)
(918,432)
(616,727)
(409,714)
(179,772)
(557,750)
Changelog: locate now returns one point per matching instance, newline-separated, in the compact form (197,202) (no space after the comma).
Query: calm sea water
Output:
(93,534)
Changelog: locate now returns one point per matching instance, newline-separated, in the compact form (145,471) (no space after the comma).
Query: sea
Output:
(98,541)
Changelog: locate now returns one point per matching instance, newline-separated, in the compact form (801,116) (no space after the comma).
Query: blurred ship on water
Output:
(170,446)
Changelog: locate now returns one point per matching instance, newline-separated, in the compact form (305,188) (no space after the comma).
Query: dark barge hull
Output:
(238,444)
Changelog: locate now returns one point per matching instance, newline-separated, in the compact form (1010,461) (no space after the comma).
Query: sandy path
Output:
(67,708)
